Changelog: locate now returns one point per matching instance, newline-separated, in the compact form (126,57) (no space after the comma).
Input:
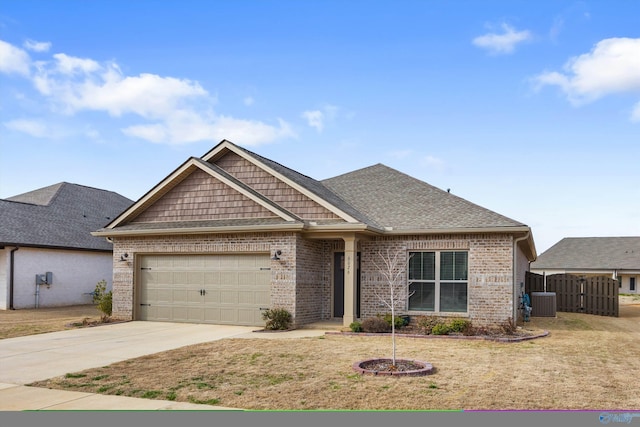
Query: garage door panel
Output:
(212,296)
(212,315)
(246,297)
(228,278)
(246,316)
(228,296)
(176,313)
(163,295)
(195,314)
(263,278)
(229,315)
(176,297)
(161,277)
(163,313)
(212,278)
(262,298)
(197,262)
(195,278)
(177,278)
(225,289)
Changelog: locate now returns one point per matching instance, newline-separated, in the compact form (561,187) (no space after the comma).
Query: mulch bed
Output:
(516,337)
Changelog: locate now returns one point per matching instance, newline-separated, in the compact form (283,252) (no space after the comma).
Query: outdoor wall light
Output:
(124,257)
(276,255)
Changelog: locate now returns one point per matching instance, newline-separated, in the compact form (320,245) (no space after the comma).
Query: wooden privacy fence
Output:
(590,295)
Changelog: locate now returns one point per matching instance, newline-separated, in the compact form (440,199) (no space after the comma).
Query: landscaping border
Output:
(459,337)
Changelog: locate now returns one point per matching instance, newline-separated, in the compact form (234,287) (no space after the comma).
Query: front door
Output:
(338,285)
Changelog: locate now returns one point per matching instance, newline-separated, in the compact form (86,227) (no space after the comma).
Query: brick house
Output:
(230,233)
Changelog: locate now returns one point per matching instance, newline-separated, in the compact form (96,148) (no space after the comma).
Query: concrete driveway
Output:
(39,357)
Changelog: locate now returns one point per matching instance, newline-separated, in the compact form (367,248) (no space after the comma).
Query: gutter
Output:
(198,230)
(11,275)
(515,278)
(470,230)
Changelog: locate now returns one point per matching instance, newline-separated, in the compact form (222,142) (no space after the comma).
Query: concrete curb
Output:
(456,337)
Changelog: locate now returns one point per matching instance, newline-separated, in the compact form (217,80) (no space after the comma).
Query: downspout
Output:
(515,275)
(11,273)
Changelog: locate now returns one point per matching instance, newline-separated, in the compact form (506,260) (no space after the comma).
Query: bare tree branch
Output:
(393,268)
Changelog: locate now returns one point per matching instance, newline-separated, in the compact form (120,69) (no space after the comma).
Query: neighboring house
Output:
(232,233)
(616,257)
(49,231)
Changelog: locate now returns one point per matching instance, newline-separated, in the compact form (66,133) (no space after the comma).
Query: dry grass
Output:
(587,362)
(17,323)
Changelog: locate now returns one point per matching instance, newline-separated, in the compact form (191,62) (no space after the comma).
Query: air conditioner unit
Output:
(543,304)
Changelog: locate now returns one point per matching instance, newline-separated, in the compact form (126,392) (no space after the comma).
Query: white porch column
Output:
(350,279)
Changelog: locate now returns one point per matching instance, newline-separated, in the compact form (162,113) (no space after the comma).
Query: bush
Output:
(375,325)
(440,329)
(508,327)
(355,327)
(277,318)
(103,299)
(426,323)
(462,326)
(399,321)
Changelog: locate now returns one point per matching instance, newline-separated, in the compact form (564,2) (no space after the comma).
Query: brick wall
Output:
(490,284)
(312,280)
(283,289)
(301,281)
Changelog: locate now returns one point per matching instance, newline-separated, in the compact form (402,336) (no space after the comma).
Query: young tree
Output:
(392,266)
(103,299)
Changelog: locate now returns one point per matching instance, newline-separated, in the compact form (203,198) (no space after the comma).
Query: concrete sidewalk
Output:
(39,357)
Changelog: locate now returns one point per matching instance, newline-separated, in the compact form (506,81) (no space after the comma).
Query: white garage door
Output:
(220,289)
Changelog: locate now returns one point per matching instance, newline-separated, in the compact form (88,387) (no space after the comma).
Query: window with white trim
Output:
(438,281)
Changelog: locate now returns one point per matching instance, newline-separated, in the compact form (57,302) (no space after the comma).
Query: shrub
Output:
(399,321)
(440,329)
(462,326)
(355,327)
(103,299)
(426,323)
(375,325)
(277,318)
(508,327)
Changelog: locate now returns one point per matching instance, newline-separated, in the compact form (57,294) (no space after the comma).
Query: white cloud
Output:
(502,43)
(37,46)
(635,113)
(13,59)
(171,110)
(185,127)
(250,132)
(434,162)
(556,28)
(315,119)
(401,154)
(70,65)
(612,66)
(319,118)
(30,127)
(248,101)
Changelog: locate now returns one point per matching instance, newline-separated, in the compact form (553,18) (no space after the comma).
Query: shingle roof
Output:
(61,215)
(591,253)
(316,187)
(393,199)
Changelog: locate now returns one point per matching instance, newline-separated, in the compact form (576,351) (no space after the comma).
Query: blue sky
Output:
(530,109)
